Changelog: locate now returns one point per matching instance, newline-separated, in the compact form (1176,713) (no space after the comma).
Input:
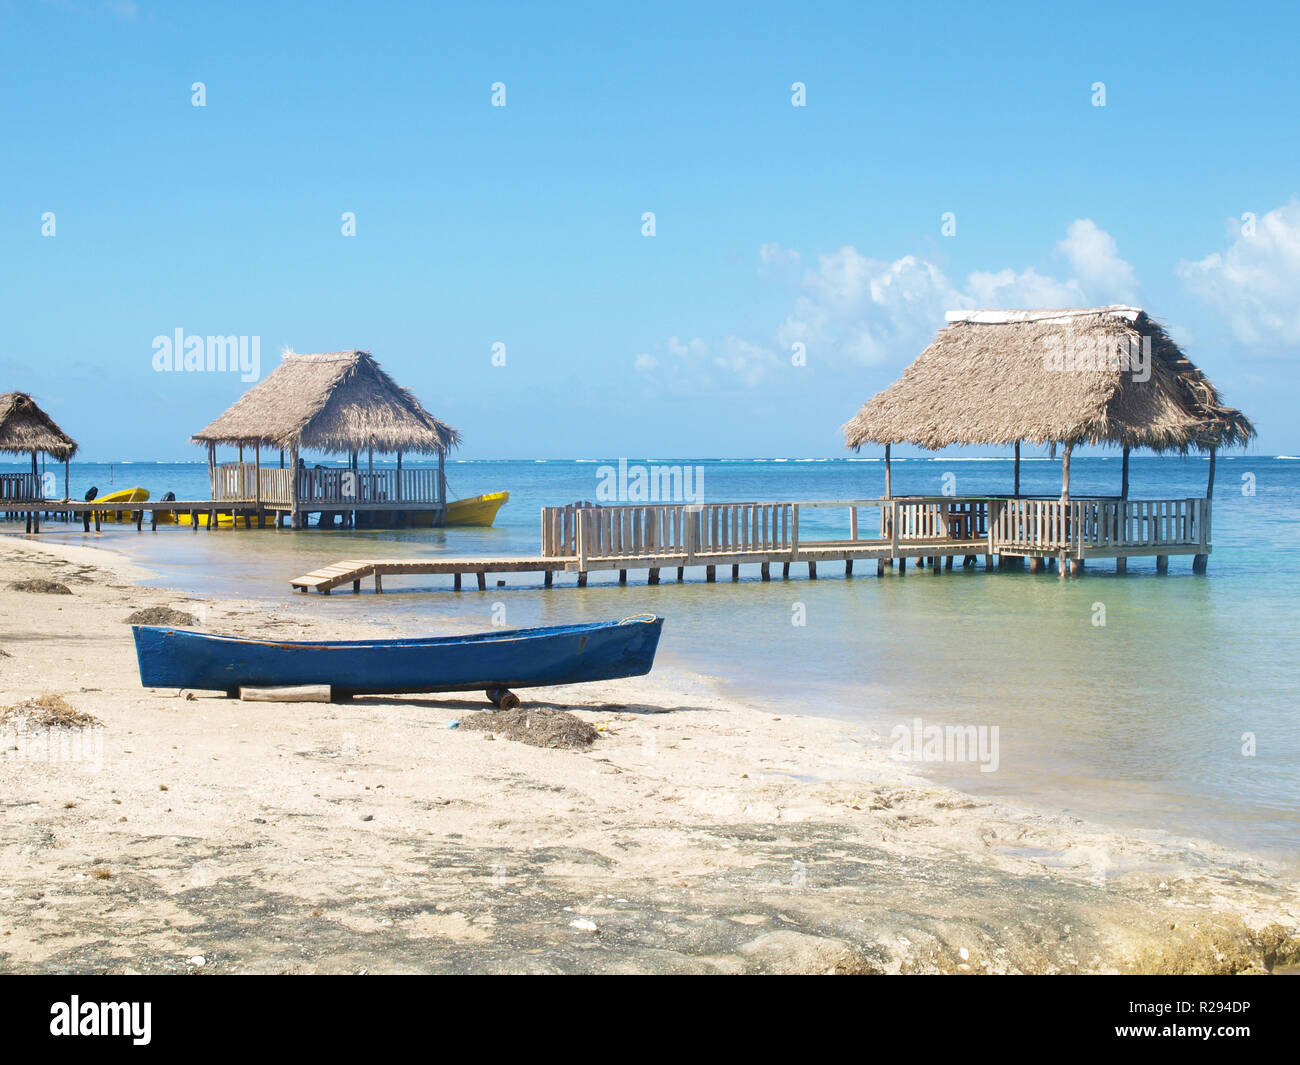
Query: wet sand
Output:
(697,834)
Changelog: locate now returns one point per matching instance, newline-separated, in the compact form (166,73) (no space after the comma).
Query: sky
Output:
(824,181)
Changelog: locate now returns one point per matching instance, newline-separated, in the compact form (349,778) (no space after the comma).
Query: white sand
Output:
(697,834)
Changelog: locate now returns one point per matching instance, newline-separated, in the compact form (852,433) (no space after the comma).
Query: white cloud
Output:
(1255,283)
(870,311)
(1094,257)
(854,309)
(1006,288)
(863,308)
(769,254)
(697,364)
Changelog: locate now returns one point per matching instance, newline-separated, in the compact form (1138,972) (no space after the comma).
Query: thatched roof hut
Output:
(337,402)
(26,429)
(1073,376)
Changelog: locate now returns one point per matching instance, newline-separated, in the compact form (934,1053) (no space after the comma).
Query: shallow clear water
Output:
(1137,722)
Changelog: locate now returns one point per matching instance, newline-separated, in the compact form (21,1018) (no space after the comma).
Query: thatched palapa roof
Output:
(1050,376)
(24,428)
(336,402)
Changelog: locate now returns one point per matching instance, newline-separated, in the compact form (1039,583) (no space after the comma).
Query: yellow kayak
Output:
(125,495)
(476,510)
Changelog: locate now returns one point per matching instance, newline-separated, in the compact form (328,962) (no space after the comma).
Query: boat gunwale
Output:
(508,636)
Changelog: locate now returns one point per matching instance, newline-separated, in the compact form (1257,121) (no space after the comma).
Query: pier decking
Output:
(1055,533)
(246,495)
(198,513)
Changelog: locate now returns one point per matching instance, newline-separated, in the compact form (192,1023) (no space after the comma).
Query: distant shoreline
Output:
(1082,456)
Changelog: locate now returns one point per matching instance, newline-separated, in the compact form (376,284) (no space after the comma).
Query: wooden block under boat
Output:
(300,693)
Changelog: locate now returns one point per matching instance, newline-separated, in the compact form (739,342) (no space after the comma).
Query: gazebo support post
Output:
(889,490)
(34,517)
(442,483)
(355,462)
(1064,563)
(295,516)
(1199,562)
(1121,562)
(1016,489)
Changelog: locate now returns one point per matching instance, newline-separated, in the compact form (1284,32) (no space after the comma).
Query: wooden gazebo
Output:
(1061,378)
(25,429)
(337,403)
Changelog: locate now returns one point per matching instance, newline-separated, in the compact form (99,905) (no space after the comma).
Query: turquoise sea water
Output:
(1138,722)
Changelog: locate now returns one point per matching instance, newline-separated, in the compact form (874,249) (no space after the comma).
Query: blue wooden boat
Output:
(489,661)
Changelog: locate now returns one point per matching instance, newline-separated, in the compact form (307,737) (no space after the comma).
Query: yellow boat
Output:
(125,495)
(183,518)
(476,510)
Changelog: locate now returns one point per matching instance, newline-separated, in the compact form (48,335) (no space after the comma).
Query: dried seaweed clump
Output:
(45,712)
(40,584)
(541,726)
(161,615)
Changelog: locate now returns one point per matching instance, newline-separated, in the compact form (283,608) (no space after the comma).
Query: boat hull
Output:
(476,510)
(172,517)
(519,658)
(125,495)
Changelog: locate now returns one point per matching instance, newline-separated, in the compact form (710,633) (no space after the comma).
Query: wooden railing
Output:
(584,531)
(275,486)
(928,518)
(587,531)
(334,486)
(1032,524)
(20,488)
(1049,524)
(234,482)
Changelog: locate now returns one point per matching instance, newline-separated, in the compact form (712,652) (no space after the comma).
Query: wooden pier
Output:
(251,497)
(201,513)
(933,531)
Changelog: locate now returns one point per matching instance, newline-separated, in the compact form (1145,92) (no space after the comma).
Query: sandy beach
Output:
(696,834)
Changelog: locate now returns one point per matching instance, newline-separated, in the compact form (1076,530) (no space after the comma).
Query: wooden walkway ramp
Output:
(354,571)
(932,530)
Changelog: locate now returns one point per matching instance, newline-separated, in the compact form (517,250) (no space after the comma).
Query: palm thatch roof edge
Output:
(334,402)
(25,427)
(1051,376)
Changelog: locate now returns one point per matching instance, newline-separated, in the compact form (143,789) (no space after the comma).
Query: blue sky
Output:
(522,225)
